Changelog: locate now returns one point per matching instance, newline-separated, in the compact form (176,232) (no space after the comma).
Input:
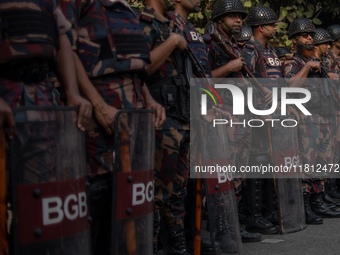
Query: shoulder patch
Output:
(146,17)
(289,56)
(249,46)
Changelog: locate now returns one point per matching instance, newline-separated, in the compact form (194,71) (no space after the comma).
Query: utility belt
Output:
(173,93)
(28,71)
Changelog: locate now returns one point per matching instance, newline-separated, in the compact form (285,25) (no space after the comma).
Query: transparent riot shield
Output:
(48,178)
(288,181)
(132,228)
(219,187)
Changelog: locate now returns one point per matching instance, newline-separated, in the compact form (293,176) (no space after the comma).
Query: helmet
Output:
(261,15)
(222,7)
(321,36)
(282,51)
(334,31)
(245,34)
(300,25)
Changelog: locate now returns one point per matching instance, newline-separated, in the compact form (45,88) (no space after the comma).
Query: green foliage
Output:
(321,13)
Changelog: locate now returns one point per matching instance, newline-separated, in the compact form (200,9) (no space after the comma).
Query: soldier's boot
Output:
(249,237)
(177,244)
(311,218)
(222,236)
(245,235)
(329,201)
(256,223)
(330,187)
(270,213)
(320,208)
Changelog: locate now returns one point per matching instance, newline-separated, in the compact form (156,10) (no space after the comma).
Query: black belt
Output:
(34,71)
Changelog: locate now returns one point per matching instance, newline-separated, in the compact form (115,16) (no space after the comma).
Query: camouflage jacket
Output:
(262,61)
(217,57)
(43,22)
(334,61)
(194,39)
(106,36)
(156,29)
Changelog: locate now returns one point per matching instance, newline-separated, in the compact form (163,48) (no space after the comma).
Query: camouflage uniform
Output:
(114,67)
(110,44)
(315,133)
(15,89)
(239,137)
(263,63)
(35,47)
(172,139)
(333,63)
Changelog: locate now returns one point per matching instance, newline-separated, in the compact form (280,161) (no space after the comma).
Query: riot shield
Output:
(219,187)
(288,182)
(132,227)
(48,178)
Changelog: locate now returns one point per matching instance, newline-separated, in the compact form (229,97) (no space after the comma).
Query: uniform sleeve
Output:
(250,56)
(151,33)
(290,68)
(63,24)
(71,10)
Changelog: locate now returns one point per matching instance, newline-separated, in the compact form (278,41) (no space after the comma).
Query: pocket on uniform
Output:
(88,53)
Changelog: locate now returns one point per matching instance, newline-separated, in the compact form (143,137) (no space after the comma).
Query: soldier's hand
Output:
(334,76)
(180,42)
(6,118)
(269,96)
(236,64)
(315,65)
(105,114)
(216,113)
(160,111)
(84,112)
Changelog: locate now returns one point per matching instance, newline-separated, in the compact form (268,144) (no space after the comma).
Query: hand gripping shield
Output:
(288,181)
(219,187)
(48,178)
(132,227)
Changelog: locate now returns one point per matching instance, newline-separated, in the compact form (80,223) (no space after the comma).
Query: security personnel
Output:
(33,42)
(263,62)
(334,59)
(245,34)
(112,60)
(228,15)
(314,148)
(25,63)
(172,138)
(321,41)
(281,53)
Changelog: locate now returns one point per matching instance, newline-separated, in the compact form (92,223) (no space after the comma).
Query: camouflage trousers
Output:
(21,94)
(315,145)
(38,160)
(121,92)
(335,121)
(239,141)
(171,178)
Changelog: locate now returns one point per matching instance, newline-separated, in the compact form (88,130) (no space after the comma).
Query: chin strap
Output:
(308,47)
(232,31)
(170,6)
(273,36)
(322,52)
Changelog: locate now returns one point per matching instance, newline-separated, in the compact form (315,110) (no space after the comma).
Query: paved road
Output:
(314,240)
